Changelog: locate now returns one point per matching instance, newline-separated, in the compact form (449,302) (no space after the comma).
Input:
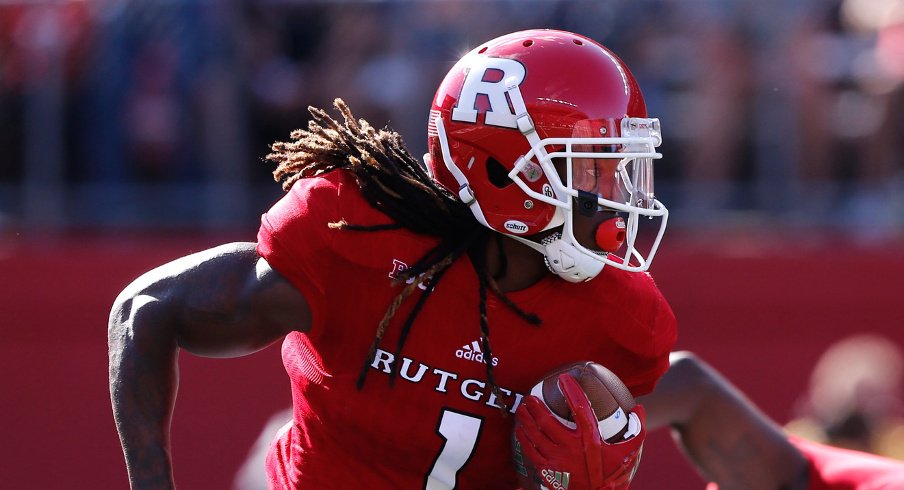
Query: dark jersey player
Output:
(415,309)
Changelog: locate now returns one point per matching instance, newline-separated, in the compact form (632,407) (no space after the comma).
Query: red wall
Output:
(761,310)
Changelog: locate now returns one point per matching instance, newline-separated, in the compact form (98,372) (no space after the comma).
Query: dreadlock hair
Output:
(394,182)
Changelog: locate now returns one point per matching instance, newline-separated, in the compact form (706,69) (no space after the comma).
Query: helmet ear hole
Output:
(497,174)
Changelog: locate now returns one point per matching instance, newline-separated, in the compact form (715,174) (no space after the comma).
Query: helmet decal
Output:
(547,191)
(489,77)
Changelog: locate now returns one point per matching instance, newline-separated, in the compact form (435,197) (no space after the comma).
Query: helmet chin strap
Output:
(564,259)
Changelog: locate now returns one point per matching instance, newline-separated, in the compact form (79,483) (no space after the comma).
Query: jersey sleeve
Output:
(296,240)
(652,337)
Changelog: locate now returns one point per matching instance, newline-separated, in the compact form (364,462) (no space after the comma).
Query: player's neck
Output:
(524,266)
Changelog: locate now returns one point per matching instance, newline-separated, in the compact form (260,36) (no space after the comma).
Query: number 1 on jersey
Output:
(460,433)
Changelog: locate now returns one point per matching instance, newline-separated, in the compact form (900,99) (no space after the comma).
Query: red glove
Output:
(550,455)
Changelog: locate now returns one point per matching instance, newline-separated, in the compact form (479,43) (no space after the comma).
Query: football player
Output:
(417,306)
(734,445)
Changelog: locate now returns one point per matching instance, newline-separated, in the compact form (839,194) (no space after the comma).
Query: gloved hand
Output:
(551,456)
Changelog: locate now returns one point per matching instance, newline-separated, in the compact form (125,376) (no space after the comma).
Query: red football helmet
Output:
(512,110)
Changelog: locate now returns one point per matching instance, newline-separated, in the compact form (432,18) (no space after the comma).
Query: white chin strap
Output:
(569,263)
(564,259)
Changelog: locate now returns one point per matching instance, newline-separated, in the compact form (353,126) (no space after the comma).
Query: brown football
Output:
(603,388)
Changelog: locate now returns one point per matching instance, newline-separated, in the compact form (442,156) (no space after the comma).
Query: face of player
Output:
(592,178)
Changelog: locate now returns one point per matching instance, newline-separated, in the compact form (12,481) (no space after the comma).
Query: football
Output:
(609,397)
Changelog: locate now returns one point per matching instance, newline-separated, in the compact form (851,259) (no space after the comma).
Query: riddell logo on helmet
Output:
(515,226)
(557,480)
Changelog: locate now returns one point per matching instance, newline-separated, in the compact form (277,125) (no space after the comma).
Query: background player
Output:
(386,283)
(854,399)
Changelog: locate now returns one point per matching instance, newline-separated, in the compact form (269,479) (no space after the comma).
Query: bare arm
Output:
(222,302)
(729,440)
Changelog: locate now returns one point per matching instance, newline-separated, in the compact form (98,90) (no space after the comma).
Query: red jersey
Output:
(437,425)
(842,469)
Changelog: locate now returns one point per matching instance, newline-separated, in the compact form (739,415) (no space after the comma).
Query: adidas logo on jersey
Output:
(557,480)
(472,352)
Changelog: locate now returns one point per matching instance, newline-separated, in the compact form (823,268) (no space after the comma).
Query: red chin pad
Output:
(610,234)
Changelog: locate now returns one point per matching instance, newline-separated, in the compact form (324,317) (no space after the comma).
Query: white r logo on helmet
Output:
(481,80)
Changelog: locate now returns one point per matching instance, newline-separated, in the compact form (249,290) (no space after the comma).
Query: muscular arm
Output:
(222,302)
(726,436)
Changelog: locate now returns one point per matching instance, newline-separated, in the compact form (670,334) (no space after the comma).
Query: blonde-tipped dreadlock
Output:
(393,181)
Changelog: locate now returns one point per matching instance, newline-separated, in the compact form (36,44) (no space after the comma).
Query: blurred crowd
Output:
(158,113)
